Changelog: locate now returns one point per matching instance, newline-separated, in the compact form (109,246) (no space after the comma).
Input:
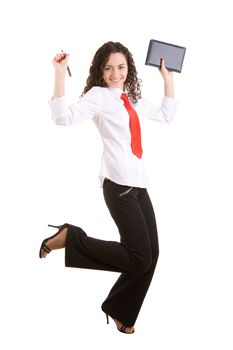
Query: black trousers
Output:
(135,256)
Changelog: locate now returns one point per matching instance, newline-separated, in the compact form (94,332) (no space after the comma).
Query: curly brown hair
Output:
(95,78)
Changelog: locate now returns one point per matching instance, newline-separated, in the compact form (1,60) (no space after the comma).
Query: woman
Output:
(112,98)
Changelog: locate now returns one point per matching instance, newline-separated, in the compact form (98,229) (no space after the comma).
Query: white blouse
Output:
(107,110)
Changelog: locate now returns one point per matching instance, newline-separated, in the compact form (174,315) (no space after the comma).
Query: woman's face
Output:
(116,70)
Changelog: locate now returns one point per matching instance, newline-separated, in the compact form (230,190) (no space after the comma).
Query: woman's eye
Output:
(107,68)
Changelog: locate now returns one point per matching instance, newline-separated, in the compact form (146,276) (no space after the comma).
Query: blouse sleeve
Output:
(87,107)
(163,113)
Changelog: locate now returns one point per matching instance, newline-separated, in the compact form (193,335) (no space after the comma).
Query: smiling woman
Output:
(116,71)
(112,98)
(113,62)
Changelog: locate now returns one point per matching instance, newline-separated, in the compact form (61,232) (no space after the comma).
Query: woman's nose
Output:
(115,73)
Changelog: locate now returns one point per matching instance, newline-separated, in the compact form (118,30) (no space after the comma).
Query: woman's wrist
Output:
(59,85)
(169,87)
(60,75)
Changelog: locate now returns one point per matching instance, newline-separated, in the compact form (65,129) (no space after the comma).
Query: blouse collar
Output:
(116,91)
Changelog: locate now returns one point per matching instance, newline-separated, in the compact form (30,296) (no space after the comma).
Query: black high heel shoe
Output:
(122,329)
(43,246)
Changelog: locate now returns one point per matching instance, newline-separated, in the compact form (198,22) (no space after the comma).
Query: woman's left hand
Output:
(168,80)
(166,74)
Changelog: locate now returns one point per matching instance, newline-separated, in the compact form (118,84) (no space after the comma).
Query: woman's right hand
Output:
(60,63)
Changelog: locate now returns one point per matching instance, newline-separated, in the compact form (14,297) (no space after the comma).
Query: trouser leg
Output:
(126,297)
(135,256)
(131,254)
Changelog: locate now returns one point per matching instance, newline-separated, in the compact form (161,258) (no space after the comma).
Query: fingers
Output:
(61,57)
(166,74)
(163,68)
(60,63)
(162,63)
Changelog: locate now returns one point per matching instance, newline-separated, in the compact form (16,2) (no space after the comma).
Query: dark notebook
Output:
(172,54)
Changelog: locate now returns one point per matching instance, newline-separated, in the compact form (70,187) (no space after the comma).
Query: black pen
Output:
(68,68)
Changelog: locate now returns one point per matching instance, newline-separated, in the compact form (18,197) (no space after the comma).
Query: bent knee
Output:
(144,264)
(147,263)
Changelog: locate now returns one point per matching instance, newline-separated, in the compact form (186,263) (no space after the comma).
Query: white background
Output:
(49,175)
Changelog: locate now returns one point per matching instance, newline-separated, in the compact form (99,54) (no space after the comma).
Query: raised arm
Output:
(60,63)
(166,111)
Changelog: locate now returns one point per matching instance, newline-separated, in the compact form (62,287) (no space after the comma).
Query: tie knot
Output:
(124,97)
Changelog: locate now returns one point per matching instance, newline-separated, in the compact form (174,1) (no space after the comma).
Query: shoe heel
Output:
(54,226)
(107,318)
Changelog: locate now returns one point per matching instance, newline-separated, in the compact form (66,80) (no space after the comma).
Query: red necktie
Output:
(134,126)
